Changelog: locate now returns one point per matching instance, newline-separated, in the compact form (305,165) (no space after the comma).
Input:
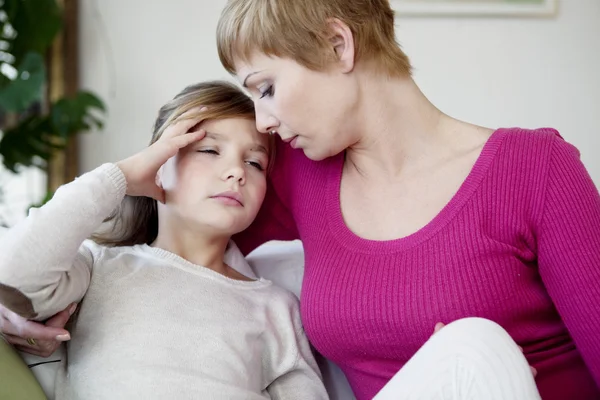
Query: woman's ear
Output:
(342,41)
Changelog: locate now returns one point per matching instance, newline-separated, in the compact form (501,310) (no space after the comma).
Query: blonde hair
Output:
(297,29)
(136,220)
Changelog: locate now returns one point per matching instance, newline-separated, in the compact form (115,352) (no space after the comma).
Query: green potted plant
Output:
(32,128)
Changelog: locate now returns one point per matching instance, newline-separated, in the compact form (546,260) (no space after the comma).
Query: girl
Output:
(164,256)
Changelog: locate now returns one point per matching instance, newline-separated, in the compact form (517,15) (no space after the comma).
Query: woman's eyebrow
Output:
(245,83)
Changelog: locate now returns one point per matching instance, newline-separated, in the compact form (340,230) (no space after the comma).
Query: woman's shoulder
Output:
(523,161)
(535,137)
(533,147)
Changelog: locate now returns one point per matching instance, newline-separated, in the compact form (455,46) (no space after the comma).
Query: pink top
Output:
(518,244)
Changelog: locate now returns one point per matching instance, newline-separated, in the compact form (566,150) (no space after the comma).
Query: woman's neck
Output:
(396,127)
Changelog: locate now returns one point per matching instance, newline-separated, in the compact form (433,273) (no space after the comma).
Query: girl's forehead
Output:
(230,126)
(234,129)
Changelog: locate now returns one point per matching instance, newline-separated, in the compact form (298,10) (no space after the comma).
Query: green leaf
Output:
(26,88)
(37,22)
(33,140)
(90,100)
(29,143)
(76,114)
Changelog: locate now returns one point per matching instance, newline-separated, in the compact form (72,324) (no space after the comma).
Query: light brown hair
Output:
(297,29)
(136,220)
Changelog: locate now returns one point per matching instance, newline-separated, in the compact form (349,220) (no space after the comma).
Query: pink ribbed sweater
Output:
(518,244)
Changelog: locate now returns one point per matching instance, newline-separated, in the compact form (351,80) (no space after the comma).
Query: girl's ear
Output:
(158,178)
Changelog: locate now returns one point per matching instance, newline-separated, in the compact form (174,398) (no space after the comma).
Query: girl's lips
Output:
(230,198)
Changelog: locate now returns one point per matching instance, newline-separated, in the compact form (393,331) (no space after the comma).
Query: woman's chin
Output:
(318,154)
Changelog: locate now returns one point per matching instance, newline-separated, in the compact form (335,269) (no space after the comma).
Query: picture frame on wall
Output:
(501,8)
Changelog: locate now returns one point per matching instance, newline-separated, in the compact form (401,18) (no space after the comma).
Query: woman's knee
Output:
(479,329)
(477,336)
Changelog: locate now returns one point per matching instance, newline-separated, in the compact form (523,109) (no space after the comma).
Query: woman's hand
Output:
(140,169)
(441,325)
(32,337)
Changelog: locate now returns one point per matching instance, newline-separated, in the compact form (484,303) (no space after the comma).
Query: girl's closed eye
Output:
(256,165)
(208,151)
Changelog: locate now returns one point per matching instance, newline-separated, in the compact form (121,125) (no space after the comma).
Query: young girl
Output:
(164,315)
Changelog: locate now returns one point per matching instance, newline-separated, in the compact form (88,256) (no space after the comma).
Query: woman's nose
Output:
(265,122)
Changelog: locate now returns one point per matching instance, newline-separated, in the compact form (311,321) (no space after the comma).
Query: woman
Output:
(409,216)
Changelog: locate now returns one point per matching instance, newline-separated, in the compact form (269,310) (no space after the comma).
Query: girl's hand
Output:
(140,169)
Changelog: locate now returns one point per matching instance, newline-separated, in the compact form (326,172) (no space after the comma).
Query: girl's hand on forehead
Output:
(140,169)
(184,124)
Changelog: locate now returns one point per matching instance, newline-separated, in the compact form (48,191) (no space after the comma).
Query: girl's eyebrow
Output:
(260,148)
(213,135)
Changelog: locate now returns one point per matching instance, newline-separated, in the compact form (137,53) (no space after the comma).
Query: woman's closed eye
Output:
(268,91)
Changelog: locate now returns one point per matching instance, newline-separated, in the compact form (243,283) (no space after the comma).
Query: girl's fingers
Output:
(187,139)
(184,123)
(173,145)
(161,151)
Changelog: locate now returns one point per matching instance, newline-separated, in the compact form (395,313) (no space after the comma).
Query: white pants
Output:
(469,359)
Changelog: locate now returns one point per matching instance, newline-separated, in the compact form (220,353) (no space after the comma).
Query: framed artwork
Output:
(507,8)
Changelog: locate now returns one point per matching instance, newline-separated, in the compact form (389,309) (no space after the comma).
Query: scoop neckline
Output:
(351,241)
(196,269)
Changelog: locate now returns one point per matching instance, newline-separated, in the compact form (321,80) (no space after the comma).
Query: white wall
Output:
(515,72)
(491,71)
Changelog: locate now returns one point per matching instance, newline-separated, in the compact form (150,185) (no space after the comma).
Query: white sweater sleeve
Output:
(44,263)
(303,380)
